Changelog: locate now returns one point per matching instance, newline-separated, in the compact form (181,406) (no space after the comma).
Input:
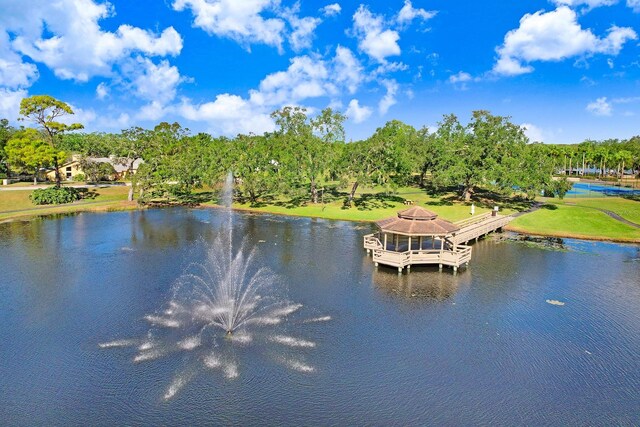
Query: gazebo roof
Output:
(417,221)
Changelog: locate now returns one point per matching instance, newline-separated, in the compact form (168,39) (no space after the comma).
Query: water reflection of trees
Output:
(149,229)
(35,253)
(421,283)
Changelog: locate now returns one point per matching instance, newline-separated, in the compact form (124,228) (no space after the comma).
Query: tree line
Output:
(306,154)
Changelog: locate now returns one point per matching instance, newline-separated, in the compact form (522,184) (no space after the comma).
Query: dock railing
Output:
(476,230)
(449,257)
(472,220)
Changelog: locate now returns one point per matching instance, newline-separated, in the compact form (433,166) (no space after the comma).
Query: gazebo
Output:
(416,236)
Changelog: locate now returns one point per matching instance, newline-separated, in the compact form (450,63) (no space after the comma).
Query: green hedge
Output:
(54,196)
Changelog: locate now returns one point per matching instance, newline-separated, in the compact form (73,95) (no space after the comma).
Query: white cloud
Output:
(356,112)
(301,35)
(229,114)
(74,45)
(347,69)
(532,132)
(123,120)
(554,36)
(10,103)
(241,21)
(629,100)
(14,73)
(153,111)
(460,80)
(388,67)
(102,90)
(461,77)
(153,82)
(591,4)
(331,9)
(634,4)
(407,14)
(373,39)
(389,99)
(80,115)
(600,107)
(307,77)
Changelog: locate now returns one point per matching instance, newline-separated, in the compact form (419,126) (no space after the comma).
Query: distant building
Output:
(72,168)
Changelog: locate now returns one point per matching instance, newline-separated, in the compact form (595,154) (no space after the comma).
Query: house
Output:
(73,168)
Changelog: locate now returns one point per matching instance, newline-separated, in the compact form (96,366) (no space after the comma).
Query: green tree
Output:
(27,148)
(44,110)
(383,159)
(6,131)
(162,175)
(307,144)
(535,171)
(96,171)
(485,152)
(255,166)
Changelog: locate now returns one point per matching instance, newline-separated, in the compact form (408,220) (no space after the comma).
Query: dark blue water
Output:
(425,348)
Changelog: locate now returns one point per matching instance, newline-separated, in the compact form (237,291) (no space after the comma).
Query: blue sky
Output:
(566,70)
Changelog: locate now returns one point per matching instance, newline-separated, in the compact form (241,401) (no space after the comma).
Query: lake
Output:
(424,348)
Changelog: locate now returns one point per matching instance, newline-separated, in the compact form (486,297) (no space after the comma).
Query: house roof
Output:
(118,167)
(417,221)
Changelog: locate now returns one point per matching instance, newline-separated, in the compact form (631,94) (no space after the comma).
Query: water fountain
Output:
(227,301)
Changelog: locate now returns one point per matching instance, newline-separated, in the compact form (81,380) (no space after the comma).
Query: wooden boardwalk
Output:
(479,226)
(451,251)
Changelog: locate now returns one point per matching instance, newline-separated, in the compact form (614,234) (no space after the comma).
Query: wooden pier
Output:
(405,249)
(476,227)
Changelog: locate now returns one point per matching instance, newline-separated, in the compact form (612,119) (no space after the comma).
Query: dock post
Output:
(455,270)
(399,270)
(376,264)
(439,267)
(368,252)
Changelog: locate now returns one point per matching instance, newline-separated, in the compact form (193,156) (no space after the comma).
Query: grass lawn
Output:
(16,204)
(560,219)
(371,204)
(626,208)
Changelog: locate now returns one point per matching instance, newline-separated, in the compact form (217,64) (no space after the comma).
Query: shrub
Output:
(79,177)
(54,196)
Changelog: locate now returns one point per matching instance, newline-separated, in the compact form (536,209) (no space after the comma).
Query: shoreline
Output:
(131,206)
(570,236)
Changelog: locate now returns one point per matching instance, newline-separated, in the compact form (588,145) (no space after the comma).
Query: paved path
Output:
(34,187)
(609,213)
(49,207)
(618,217)
(534,207)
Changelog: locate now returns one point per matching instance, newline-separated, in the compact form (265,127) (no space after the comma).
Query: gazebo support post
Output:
(385,241)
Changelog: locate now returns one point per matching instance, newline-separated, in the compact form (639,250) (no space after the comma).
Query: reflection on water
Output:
(421,283)
(483,347)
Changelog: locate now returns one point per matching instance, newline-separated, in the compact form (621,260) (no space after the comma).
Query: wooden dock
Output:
(479,226)
(451,250)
